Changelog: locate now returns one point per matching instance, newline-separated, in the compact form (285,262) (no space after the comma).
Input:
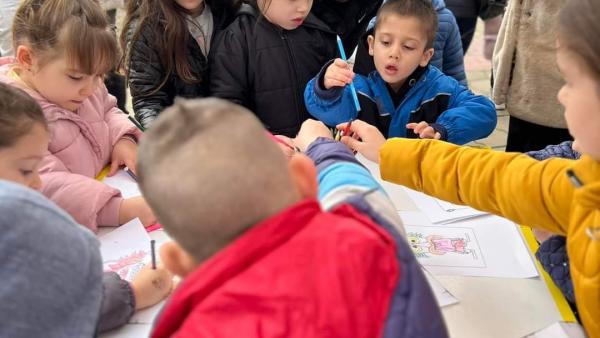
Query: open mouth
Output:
(391,69)
(298,21)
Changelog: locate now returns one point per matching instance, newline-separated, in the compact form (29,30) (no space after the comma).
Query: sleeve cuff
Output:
(440,129)
(109,214)
(320,91)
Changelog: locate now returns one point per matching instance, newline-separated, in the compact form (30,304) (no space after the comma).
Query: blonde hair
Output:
(75,29)
(210,172)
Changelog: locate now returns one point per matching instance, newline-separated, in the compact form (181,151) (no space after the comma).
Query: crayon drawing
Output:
(445,246)
(127,266)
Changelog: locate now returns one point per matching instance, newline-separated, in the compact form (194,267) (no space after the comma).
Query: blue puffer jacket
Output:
(552,253)
(451,109)
(448,55)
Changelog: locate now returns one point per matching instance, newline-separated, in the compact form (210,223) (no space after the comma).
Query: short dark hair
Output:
(420,9)
(19,112)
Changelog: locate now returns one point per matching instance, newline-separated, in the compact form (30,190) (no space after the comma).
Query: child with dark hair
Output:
(405,96)
(167,43)
(557,195)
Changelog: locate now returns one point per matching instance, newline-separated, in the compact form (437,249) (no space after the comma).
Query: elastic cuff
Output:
(109,214)
(320,91)
(440,129)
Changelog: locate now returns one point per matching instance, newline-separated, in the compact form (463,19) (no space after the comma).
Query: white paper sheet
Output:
(560,330)
(442,296)
(126,249)
(486,246)
(124,183)
(441,212)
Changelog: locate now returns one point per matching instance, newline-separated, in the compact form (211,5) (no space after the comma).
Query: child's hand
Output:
(124,153)
(309,131)
(286,145)
(151,286)
(136,207)
(338,74)
(366,139)
(424,130)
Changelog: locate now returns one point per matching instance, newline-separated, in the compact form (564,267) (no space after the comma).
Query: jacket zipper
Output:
(294,75)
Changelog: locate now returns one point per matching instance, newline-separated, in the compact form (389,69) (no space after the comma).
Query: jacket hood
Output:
(51,269)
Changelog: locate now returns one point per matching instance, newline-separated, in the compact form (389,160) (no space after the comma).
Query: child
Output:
(276,264)
(405,97)
(43,249)
(63,48)
(264,59)
(557,195)
(168,43)
(448,53)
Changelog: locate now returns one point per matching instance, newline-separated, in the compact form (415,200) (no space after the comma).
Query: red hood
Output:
(301,273)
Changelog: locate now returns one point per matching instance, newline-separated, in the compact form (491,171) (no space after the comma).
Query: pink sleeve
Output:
(88,201)
(117,121)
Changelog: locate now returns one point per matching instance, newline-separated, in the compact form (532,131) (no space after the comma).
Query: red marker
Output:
(347,129)
(280,141)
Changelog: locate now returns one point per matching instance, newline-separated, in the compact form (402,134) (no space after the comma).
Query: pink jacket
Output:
(81,144)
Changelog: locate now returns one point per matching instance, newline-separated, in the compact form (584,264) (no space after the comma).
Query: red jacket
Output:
(302,273)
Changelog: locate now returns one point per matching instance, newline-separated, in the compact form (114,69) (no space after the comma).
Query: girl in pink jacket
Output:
(63,49)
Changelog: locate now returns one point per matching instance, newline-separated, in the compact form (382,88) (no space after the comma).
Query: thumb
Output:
(411,125)
(437,136)
(114,166)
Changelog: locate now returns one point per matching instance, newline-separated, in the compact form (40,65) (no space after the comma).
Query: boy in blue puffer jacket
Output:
(448,56)
(405,96)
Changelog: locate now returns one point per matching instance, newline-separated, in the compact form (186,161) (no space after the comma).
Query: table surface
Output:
(488,307)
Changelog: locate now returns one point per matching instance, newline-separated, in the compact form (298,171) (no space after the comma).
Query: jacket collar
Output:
(415,81)
(254,244)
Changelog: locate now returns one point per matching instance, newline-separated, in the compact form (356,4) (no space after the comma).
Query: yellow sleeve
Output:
(511,185)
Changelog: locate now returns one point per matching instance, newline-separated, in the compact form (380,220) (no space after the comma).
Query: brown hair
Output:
(19,112)
(77,29)
(193,151)
(578,31)
(420,9)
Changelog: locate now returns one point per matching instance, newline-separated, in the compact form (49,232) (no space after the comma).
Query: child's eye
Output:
(385,43)
(409,48)
(26,172)
(76,78)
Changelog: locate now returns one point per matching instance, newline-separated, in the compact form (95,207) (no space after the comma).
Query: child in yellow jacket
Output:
(557,195)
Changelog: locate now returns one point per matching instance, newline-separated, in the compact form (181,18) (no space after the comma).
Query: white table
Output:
(488,307)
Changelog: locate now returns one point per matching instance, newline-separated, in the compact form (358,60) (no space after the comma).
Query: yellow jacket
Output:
(517,187)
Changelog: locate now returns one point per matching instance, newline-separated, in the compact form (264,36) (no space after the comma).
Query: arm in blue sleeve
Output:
(332,106)
(453,63)
(337,168)
(563,150)
(469,117)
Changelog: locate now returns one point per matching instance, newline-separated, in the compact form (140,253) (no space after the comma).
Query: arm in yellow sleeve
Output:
(511,185)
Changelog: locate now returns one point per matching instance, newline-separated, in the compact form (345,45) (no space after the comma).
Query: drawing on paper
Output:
(127,266)
(447,246)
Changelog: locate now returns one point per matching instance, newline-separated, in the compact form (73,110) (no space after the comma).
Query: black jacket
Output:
(349,19)
(265,68)
(146,71)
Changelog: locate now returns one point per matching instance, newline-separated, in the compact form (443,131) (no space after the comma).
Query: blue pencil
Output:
(352,89)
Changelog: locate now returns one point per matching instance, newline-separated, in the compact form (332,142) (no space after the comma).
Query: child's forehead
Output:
(401,25)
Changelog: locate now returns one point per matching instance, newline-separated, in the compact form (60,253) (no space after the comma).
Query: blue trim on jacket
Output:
(413,310)
(448,55)
(435,98)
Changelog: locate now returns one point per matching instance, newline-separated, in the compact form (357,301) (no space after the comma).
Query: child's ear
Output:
(24,56)
(371,42)
(426,57)
(304,175)
(176,259)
